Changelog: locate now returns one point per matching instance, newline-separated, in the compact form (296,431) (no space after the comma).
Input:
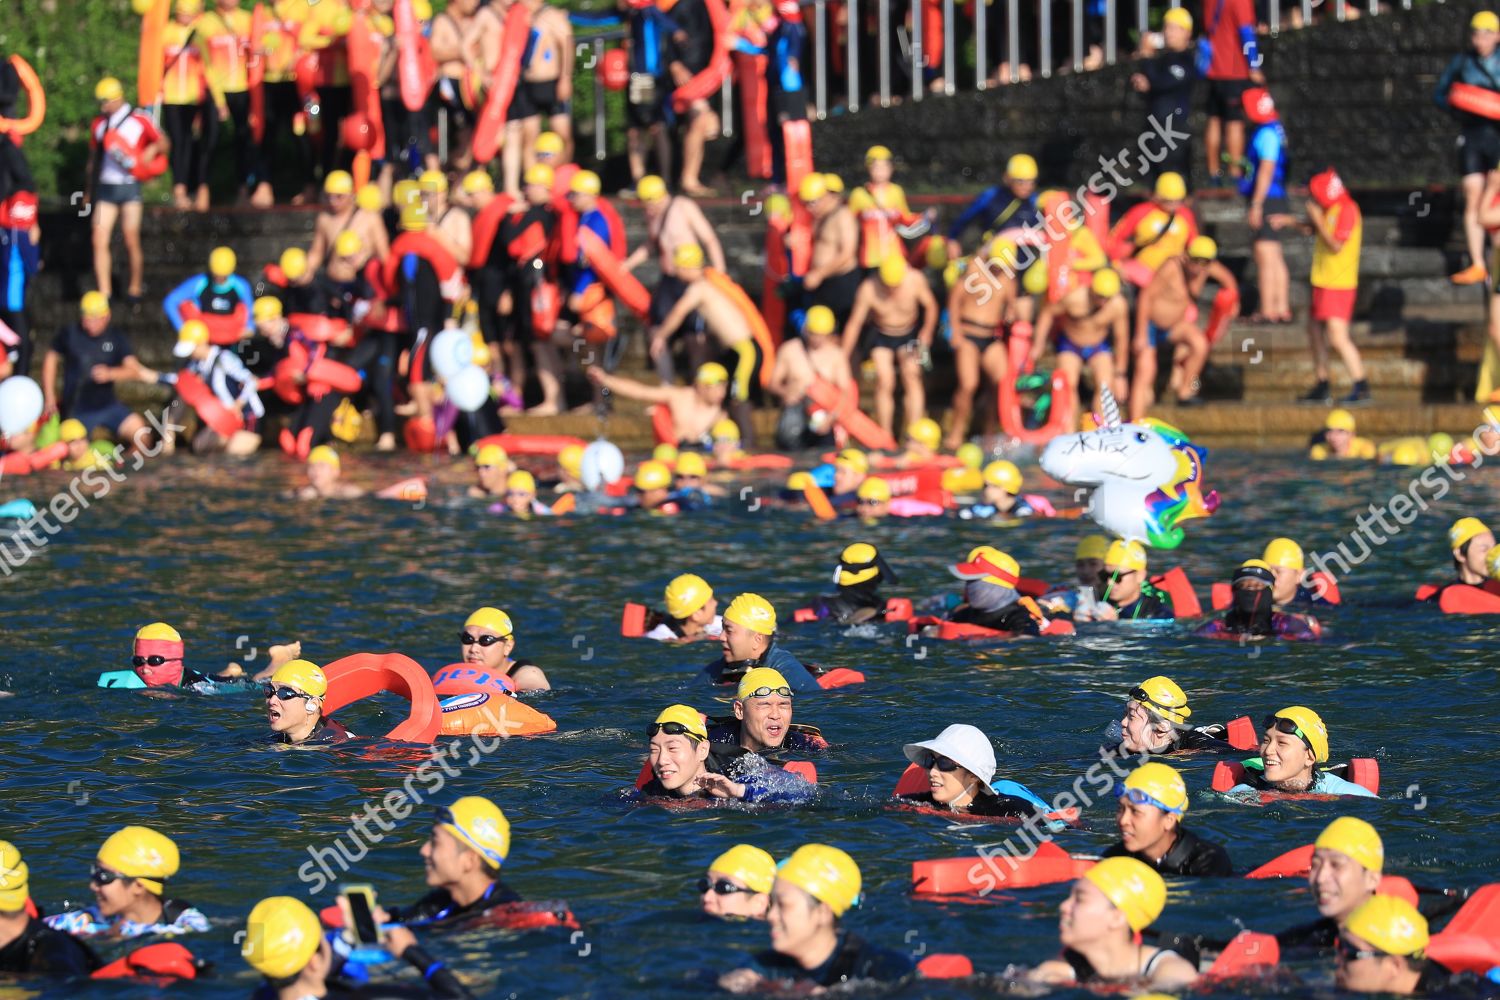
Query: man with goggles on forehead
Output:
(685,765)
(487,641)
(1155,722)
(157,661)
(1295,742)
(129,882)
(1152,802)
(762,722)
(294,706)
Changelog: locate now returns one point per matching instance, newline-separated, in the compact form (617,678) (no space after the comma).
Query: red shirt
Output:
(1222,21)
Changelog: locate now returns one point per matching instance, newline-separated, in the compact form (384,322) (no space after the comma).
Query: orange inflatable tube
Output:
(621,283)
(753,319)
(550,445)
(489,131)
(152,56)
(354,678)
(224,421)
(711,77)
(1479,101)
(847,414)
(475,701)
(1059,415)
(36,101)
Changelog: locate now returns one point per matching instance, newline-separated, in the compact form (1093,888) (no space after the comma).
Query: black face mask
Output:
(1250,612)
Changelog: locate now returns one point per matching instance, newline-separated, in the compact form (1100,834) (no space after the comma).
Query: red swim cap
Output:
(1327,188)
(1259,107)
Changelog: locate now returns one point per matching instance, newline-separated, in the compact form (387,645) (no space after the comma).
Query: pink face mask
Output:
(166,670)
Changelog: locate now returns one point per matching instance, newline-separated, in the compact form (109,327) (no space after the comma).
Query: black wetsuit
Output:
(1145,607)
(798,739)
(1012,618)
(797,675)
(328,731)
(851,605)
(440,982)
(40,950)
(981,805)
(853,959)
(1203,739)
(519,277)
(438,906)
(721,760)
(1189,855)
(1319,935)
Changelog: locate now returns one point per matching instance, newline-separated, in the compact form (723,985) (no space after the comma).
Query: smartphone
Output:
(359,914)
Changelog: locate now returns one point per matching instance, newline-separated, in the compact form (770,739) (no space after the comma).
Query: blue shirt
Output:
(214,297)
(999,209)
(1267,145)
(798,676)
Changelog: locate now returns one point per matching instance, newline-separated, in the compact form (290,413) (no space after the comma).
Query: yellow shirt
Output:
(1161,239)
(879,212)
(1339,270)
(326,27)
(280,44)
(228,37)
(183,81)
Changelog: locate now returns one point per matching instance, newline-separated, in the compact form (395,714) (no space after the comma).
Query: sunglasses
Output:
(1281,724)
(766,692)
(283,693)
(721,887)
(1137,797)
(153,660)
(484,640)
(1346,952)
(103,876)
(672,729)
(929,760)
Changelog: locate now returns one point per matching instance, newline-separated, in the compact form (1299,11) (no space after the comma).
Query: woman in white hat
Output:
(960,766)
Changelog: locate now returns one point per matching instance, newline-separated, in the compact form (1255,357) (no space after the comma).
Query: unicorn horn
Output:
(1110,408)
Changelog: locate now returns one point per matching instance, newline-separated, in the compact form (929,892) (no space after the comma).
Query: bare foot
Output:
(387,442)
(263,197)
(200,203)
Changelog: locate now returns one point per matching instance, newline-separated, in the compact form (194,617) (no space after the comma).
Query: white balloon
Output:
(470,388)
(20,404)
(450,352)
(602,463)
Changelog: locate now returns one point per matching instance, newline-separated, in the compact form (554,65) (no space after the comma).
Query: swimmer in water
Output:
(1252,610)
(990,596)
(762,722)
(726,442)
(873,499)
(860,572)
(570,470)
(1470,541)
(323,472)
(1001,498)
(749,641)
(684,764)
(694,409)
(1382,950)
(1155,722)
(1100,925)
(692,612)
(27,945)
(810,949)
(294,706)
(520,497)
(1337,440)
(1348,861)
(653,488)
(491,466)
(960,766)
(1152,801)
(461,860)
(1288,565)
(129,884)
(488,639)
(157,658)
(850,468)
(1294,744)
(690,483)
(1126,594)
(738,884)
(283,941)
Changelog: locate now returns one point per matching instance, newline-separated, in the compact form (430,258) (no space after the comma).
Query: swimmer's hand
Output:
(1104,612)
(595,374)
(397,938)
(741,981)
(721,787)
(285,653)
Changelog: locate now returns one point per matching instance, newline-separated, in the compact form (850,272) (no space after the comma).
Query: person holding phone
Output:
(468,843)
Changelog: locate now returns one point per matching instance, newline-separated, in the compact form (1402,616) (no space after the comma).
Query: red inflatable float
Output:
(1480,101)
(550,445)
(1363,771)
(36,102)
(1060,414)
(24,463)
(711,77)
(224,421)
(475,701)
(354,678)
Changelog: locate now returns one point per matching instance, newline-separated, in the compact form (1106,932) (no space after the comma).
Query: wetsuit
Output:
(203,296)
(1319,935)
(853,958)
(520,276)
(19,261)
(1170,76)
(851,605)
(1324,783)
(1012,618)
(763,781)
(798,739)
(42,950)
(438,906)
(1268,144)
(797,675)
(440,982)
(1148,606)
(786,100)
(328,731)
(1003,210)
(650,87)
(1479,138)
(981,805)
(1188,855)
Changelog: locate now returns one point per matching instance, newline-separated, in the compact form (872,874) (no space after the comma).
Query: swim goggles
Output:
(1345,952)
(672,729)
(103,876)
(721,887)
(283,693)
(444,817)
(153,660)
(1282,724)
(486,641)
(871,502)
(1139,694)
(1136,797)
(766,692)
(930,760)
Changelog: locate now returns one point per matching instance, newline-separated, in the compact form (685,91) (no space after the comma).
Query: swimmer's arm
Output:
(857,317)
(708,240)
(49,381)
(1043,331)
(928,302)
(691,298)
(1221,275)
(629,387)
(567,49)
(1121,326)
(1051,971)
(1173,972)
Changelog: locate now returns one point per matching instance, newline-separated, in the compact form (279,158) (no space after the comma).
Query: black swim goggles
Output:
(930,760)
(1139,694)
(870,502)
(1344,951)
(721,887)
(766,692)
(153,660)
(1282,724)
(486,641)
(103,876)
(283,693)
(673,729)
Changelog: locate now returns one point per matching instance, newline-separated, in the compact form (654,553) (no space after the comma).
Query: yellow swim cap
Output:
(757,678)
(294,259)
(1203,248)
(222,262)
(874,489)
(1162,695)
(1178,17)
(493,619)
(812,188)
(1162,785)
(141,853)
(862,555)
(1021,167)
(1034,281)
(368,198)
(549,142)
(1340,420)
(825,873)
(651,188)
(15,879)
(751,865)
(1003,474)
(819,321)
(665,453)
(1170,186)
(570,460)
(688,256)
(1106,283)
(72,429)
(877,153)
(1484,20)
(686,594)
(109,89)
(1091,547)
(925,432)
(1463,530)
(323,455)
(267,307)
(414,215)
(586,182)
(281,937)
(1313,732)
(1283,552)
(520,481)
(304,675)
(347,244)
(1390,924)
(970,455)
(433,182)
(753,612)
(1125,555)
(989,565)
(93,305)
(492,456)
(893,270)
(338,182)
(1135,888)
(691,463)
(725,430)
(540,175)
(653,476)
(853,458)
(834,183)
(481,826)
(711,373)
(685,716)
(1356,840)
(160,631)
(477,182)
